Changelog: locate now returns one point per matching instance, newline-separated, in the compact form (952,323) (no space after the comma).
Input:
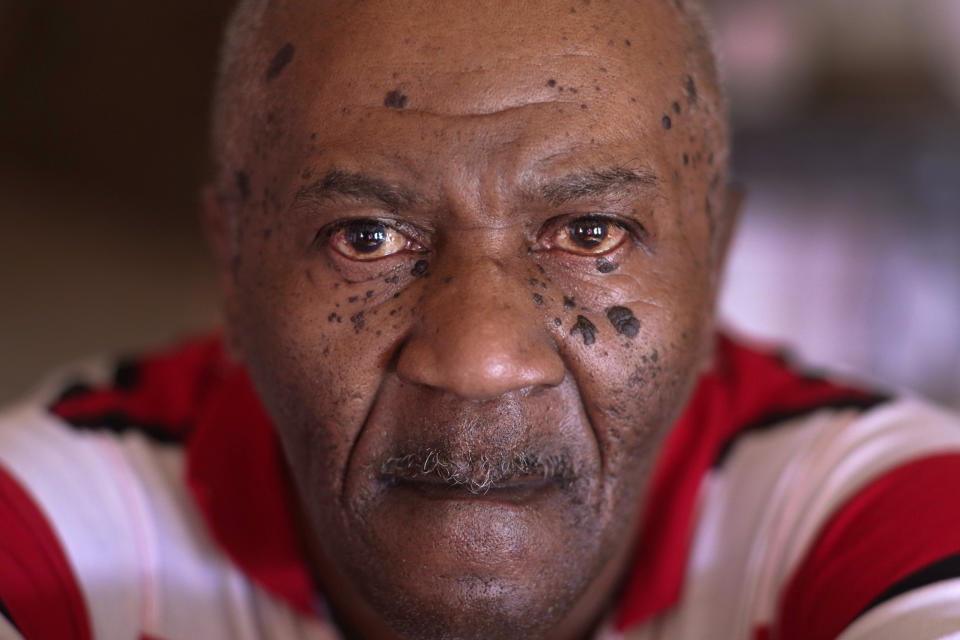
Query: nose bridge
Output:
(477,335)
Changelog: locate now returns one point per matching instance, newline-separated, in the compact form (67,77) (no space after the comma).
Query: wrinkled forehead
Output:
(456,57)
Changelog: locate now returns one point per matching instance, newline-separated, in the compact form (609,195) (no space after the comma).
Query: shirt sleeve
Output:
(40,594)
(886,566)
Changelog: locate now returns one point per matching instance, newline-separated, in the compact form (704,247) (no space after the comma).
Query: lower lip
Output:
(516,492)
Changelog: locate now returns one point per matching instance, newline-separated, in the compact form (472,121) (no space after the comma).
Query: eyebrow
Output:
(594,183)
(359,186)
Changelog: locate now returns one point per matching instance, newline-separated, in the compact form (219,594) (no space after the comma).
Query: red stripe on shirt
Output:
(900,523)
(37,584)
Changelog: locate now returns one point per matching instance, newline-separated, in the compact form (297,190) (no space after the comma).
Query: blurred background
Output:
(847,136)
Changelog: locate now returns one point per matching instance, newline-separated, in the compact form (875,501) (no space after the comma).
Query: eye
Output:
(369,240)
(589,235)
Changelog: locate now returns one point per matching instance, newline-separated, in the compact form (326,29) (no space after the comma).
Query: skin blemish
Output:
(353,298)
(623,321)
(583,106)
(551,83)
(676,108)
(280,60)
(538,299)
(358,321)
(585,328)
(392,280)
(686,159)
(243,185)
(605,266)
(690,88)
(667,123)
(267,233)
(369,294)
(448,280)
(569,303)
(419,268)
(626,42)
(557,322)
(395,100)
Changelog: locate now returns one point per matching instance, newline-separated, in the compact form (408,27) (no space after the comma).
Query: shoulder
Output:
(882,553)
(826,517)
(91,482)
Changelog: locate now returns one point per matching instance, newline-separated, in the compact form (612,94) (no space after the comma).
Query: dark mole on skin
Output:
(369,294)
(605,266)
(551,82)
(243,185)
(419,268)
(280,60)
(585,328)
(537,298)
(686,159)
(676,107)
(623,321)
(357,320)
(395,100)
(569,303)
(353,298)
(667,122)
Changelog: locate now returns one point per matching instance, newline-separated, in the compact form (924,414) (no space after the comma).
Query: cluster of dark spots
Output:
(392,280)
(334,317)
(538,299)
(690,88)
(667,123)
(551,83)
(585,328)
(419,268)
(569,303)
(623,321)
(605,266)
(395,100)
(353,298)
(358,321)
(676,108)
(279,61)
(542,271)
(243,185)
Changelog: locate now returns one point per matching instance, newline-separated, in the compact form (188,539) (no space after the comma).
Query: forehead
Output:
(471,58)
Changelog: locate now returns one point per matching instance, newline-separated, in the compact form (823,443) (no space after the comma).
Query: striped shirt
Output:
(148,499)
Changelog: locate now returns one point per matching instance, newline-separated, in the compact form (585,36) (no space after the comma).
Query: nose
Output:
(480,336)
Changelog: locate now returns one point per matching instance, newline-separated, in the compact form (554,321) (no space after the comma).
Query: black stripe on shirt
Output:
(944,569)
(6,614)
(120,423)
(775,419)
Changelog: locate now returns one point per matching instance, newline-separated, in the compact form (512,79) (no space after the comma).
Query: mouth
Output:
(515,490)
(501,478)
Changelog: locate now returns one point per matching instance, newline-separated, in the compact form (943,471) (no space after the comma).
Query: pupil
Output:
(587,232)
(366,237)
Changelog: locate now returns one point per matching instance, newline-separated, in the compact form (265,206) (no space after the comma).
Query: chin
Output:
(443,566)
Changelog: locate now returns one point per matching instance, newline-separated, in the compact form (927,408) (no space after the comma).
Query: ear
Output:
(219,229)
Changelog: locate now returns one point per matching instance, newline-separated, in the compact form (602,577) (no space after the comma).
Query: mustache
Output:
(477,473)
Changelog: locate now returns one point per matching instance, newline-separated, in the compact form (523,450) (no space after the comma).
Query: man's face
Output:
(473,287)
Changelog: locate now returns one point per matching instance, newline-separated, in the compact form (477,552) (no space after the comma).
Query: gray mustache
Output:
(476,473)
